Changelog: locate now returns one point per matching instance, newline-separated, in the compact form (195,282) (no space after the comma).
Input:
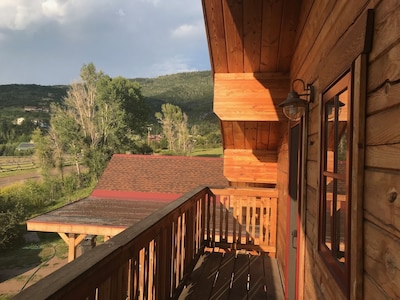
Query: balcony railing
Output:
(152,259)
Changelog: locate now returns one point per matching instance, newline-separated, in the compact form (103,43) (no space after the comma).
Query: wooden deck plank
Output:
(272,277)
(202,278)
(255,277)
(222,281)
(257,283)
(239,285)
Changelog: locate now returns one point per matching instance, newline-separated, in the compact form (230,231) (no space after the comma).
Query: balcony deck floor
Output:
(234,275)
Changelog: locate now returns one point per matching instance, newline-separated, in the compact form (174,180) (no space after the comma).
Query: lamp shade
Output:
(293,107)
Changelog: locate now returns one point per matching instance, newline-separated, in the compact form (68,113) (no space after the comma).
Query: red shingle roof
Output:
(121,198)
(166,177)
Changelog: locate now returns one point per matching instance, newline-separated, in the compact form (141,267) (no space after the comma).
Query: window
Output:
(334,238)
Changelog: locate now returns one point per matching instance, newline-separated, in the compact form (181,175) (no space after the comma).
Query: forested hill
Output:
(20,95)
(192,91)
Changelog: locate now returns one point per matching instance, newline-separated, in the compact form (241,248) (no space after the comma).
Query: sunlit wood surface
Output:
(221,274)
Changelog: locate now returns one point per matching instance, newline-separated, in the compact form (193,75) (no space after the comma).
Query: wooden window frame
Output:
(352,284)
(341,272)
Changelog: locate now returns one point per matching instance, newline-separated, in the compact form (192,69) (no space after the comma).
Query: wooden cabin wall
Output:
(382,158)
(321,25)
(282,187)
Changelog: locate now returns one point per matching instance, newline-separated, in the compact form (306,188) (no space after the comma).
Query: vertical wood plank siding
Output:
(324,50)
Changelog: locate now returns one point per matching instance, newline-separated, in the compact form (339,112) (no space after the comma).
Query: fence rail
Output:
(16,164)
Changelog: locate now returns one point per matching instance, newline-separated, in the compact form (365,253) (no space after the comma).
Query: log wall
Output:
(382,158)
(282,184)
(323,25)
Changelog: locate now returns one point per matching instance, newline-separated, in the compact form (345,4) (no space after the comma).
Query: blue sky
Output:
(47,41)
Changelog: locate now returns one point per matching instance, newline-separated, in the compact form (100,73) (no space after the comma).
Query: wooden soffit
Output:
(252,135)
(249,97)
(256,166)
(251,36)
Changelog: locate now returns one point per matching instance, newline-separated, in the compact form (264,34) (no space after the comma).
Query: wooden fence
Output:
(16,163)
(152,259)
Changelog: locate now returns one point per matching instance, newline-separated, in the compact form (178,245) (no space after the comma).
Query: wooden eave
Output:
(255,36)
(95,216)
(251,44)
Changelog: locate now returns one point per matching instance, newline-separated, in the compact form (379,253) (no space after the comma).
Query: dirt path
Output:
(12,280)
(34,175)
(4,181)
(25,277)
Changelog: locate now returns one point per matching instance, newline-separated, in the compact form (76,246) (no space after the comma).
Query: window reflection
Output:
(335,162)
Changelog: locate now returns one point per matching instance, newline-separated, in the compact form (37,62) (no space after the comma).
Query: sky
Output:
(47,42)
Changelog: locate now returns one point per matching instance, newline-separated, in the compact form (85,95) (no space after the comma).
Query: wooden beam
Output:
(249,97)
(72,240)
(71,247)
(109,230)
(79,239)
(250,166)
(254,192)
(64,237)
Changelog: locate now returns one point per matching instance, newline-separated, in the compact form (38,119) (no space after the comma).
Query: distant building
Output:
(36,109)
(19,121)
(25,146)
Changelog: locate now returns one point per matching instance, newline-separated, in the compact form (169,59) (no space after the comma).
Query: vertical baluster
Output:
(253,219)
(141,273)
(214,205)
(150,271)
(221,218)
(261,218)
(272,222)
(182,250)
(226,205)
(209,220)
(234,221)
(247,202)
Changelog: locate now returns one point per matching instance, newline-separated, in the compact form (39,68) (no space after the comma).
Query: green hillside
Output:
(20,95)
(193,92)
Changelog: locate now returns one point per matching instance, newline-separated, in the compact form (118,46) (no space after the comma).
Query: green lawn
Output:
(213,152)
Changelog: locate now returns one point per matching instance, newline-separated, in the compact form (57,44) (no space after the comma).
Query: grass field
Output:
(16,163)
(213,152)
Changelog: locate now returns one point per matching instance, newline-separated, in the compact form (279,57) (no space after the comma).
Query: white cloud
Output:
(171,65)
(187,30)
(47,41)
(18,14)
(121,12)
(53,9)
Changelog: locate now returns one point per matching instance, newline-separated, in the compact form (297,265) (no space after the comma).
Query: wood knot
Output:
(387,87)
(390,264)
(392,196)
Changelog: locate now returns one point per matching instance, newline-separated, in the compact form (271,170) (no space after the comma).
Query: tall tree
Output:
(94,119)
(43,152)
(174,124)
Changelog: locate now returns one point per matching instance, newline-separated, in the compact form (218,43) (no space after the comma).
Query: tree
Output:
(11,215)
(43,151)
(174,125)
(96,118)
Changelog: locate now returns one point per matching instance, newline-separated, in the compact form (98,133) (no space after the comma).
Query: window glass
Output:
(335,160)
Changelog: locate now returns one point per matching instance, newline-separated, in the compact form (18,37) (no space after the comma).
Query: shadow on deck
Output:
(221,274)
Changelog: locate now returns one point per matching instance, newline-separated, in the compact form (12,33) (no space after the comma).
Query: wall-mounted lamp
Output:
(333,105)
(294,107)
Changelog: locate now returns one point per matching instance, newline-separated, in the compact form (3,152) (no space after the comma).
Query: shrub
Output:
(11,215)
